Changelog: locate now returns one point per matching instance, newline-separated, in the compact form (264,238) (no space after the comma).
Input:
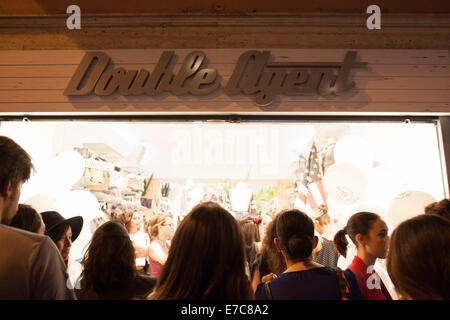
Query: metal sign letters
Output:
(252,75)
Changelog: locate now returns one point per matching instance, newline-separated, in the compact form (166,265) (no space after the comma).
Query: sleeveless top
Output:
(155,266)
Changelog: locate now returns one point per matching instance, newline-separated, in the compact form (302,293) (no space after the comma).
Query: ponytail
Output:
(359,223)
(341,243)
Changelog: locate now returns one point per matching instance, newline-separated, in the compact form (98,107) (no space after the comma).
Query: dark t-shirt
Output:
(314,284)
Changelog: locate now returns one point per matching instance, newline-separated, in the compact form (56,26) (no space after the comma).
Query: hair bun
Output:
(300,247)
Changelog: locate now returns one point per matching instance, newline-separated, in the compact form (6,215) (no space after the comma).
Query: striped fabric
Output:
(311,192)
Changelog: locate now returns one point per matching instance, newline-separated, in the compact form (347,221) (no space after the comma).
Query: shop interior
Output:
(255,168)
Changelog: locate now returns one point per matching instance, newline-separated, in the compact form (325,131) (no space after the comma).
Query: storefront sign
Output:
(252,75)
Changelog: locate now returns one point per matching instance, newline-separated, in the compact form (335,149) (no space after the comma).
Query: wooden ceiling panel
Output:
(44,7)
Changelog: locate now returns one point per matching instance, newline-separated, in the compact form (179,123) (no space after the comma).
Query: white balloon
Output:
(43,202)
(354,150)
(67,168)
(30,188)
(384,185)
(407,205)
(57,177)
(79,203)
(345,183)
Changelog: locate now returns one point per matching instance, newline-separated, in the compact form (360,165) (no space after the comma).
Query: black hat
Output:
(53,219)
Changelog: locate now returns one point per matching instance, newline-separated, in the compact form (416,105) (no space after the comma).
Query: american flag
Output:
(311,193)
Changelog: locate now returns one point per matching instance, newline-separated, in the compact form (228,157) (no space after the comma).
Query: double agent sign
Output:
(252,75)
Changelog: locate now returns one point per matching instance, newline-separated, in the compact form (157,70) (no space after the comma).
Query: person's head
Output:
(129,218)
(275,259)
(321,218)
(250,230)
(440,208)
(418,260)
(209,242)
(27,218)
(15,169)
(116,214)
(135,223)
(295,235)
(160,227)
(62,237)
(109,262)
(367,231)
(62,231)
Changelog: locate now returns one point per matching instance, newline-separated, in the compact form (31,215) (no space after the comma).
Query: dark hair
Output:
(15,163)
(418,260)
(359,223)
(295,231)
(109,262)
(275,259)
(27,218)
(250,230)
(210,243)
(440,208)
(58,232)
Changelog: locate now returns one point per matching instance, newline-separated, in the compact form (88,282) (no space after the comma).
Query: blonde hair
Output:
(321,215)
(153,224)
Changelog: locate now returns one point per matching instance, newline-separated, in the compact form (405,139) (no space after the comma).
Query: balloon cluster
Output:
(51,188)
(353,184)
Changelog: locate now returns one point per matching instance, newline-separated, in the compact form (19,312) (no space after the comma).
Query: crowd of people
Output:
(213,255)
